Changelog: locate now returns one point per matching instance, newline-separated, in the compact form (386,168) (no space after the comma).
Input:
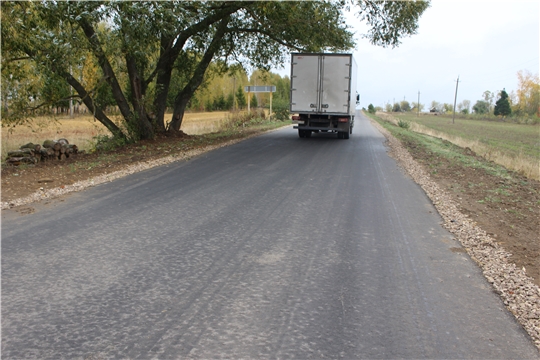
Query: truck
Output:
(323,93)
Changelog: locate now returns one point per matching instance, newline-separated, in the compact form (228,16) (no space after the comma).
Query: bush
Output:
(371,109)
(107,143)
(404,124)
(280,109)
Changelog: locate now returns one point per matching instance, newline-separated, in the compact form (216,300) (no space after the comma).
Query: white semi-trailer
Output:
(323,93)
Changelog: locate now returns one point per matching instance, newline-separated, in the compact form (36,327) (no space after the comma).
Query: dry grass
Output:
(204,123)
(82,129)
(79,131)
(521,163)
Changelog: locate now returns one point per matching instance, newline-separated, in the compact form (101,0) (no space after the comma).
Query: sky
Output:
(483,42)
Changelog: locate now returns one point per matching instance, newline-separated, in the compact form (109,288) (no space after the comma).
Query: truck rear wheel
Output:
(346,135)
(340,135)
(301,133)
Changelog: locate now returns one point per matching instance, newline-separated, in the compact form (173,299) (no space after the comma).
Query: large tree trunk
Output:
(196,80)
(107,69)
(89,102)
(163,81)
(141,122)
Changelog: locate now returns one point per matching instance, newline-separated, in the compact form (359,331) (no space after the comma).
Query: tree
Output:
(436,106)
(371,109)
(140,47)
(488,98)
(502,105)
(389,21)
(417,106)
(481,107)
(447,108)
(405,106)
(396,108)
(241,98)
(464,106)
(253,102)
(527,94)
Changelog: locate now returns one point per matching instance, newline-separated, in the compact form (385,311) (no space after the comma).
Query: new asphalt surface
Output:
(276,247)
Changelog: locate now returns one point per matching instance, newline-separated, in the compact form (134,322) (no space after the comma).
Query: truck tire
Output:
(301,133)
(308,133)
(340,135)
(346,135)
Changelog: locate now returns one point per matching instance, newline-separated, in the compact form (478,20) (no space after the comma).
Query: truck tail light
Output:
(343,120)
(296,117)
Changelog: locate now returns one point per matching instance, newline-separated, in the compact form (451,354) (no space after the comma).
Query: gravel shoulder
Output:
(519,291)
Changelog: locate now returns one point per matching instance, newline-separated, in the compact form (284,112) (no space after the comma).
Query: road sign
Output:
(257,89)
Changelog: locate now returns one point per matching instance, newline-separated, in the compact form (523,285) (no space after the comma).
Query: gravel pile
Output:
(517,290)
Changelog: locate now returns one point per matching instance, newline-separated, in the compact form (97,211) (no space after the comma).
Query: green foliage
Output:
(405,106)
(107,143)
(481,107)
(417,107)
(253,102)
(396,108)
(404,124)
(371,109)
(240,98)
(502,105)
(220,103)
(229,103)
(280,108)
(153,55)
(389,21)
(448,108)
(55,91)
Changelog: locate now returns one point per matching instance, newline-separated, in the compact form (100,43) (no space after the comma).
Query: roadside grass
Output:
(514,146)
(442,147)
(85,131)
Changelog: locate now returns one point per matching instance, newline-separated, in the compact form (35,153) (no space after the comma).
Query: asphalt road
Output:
(277,247)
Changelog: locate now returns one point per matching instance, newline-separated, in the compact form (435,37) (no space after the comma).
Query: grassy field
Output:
(514,146)
(82,129)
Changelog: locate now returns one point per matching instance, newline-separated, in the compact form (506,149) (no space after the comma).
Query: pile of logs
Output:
(34,153)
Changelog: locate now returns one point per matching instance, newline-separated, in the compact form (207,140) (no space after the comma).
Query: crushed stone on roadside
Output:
(517,290)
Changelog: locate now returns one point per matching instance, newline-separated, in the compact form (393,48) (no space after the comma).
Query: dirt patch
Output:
(508,209)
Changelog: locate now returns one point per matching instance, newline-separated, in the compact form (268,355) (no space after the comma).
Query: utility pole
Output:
(455,98)
(418,104)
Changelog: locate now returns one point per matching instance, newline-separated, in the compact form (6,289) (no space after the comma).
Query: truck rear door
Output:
(336,75)
(304,83)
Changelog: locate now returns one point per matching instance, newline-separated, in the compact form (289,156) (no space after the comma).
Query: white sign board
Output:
(258,89)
